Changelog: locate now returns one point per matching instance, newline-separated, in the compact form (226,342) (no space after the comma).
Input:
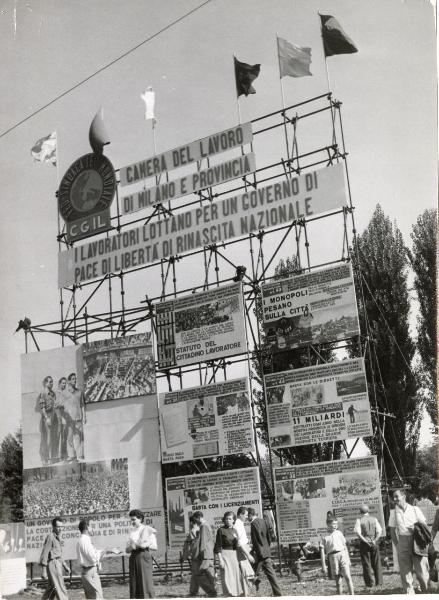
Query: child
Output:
(334,545)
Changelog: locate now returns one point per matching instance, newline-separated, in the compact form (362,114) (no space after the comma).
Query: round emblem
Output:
(88,187)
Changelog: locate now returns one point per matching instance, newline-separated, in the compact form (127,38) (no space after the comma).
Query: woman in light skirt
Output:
(226,549)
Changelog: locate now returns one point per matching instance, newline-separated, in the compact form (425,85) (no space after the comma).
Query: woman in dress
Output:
(225,547)
(141,542)
(48,422)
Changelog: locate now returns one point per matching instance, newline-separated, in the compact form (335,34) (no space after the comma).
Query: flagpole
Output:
(237,97)
(324,54)
(61,298)
(283,103)
(154,140)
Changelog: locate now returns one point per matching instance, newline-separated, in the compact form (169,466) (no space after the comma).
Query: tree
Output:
(423,261)
(426,480)
(384,311)
(11,478)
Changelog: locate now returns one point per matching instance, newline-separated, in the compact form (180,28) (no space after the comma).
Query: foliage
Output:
(384,311)
(426,480)
(11,478)
(423,261)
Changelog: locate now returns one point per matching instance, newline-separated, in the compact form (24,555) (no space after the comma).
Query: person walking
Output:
(225,548)
(203,556)
(190,553)
(261,550)
(401,523)
(89,559)
(52,562)
(245,559)
(369,531)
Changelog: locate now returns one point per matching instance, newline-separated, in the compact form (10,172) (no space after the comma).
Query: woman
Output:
(140,543)
(225,547)
(49,423)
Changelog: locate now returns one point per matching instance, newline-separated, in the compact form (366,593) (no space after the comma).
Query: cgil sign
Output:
(187,154)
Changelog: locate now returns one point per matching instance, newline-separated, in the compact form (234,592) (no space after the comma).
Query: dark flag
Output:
(335,40)
(245,75)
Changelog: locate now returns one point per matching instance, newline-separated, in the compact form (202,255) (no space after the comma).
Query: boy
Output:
(334,546)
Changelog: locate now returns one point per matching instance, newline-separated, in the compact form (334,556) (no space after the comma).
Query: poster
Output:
(212,420)
(12,558)
(306,493)
(318,404)
(52,407)
(211,493)
(228,218)
(313,308)
(76,489)
(119,368)
(109,531)
(200,327)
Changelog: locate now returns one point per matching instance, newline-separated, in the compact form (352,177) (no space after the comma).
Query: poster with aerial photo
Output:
(305,494)
(121,367)
(318,404)
(313,308)
(212,420)
(201,327)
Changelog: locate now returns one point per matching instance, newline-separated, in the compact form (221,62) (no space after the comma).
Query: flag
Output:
(97,135)
(335,40)
(293,60)
(44,149)
(148,97)
(245,75)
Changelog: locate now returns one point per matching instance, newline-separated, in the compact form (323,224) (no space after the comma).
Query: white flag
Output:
(44,149)
(148,97)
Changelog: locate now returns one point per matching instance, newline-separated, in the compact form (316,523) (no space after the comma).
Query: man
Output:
(261,550)
(53,564)
(190,551)
(369,531)
(89,558)
(202,556)
(244,556)
(401,523)
(334,547)
(351,413)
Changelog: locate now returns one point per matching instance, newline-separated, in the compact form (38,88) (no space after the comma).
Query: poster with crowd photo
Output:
(12,558)
(109,532)
(76,489)
(305,494)
(318,404)
(201,327)
(313,308)
(213,420)
(52,407)
(119,368)
(213,494)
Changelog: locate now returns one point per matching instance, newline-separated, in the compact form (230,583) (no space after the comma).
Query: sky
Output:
(388,91)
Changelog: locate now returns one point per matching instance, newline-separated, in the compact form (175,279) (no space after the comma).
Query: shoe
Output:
(257,583)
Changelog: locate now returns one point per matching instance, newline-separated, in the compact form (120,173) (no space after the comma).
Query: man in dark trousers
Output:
(261,550)
(202,557)
(369,532)
(52,562)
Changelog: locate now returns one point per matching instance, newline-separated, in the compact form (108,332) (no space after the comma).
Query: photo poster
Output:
(201,327)
(313,308)
(208,421)
(317,404)
(211,493)
(121,367)
(109,531)
(306,493)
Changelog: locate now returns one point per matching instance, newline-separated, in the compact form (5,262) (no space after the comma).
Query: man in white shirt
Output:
(401,523)
(243,550)
(369,532)
(89,557)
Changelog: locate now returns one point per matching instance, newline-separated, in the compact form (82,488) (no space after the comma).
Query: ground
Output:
(313,584)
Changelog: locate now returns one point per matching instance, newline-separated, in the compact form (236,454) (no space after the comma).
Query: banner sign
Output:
(109,531)
(85,195)
(213,494)
(187,154)
(273,205)
(119,368)
(310,309)
(318,404)
(200,180)
(12,558)
(213,420)
(306,493)
(200,327)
